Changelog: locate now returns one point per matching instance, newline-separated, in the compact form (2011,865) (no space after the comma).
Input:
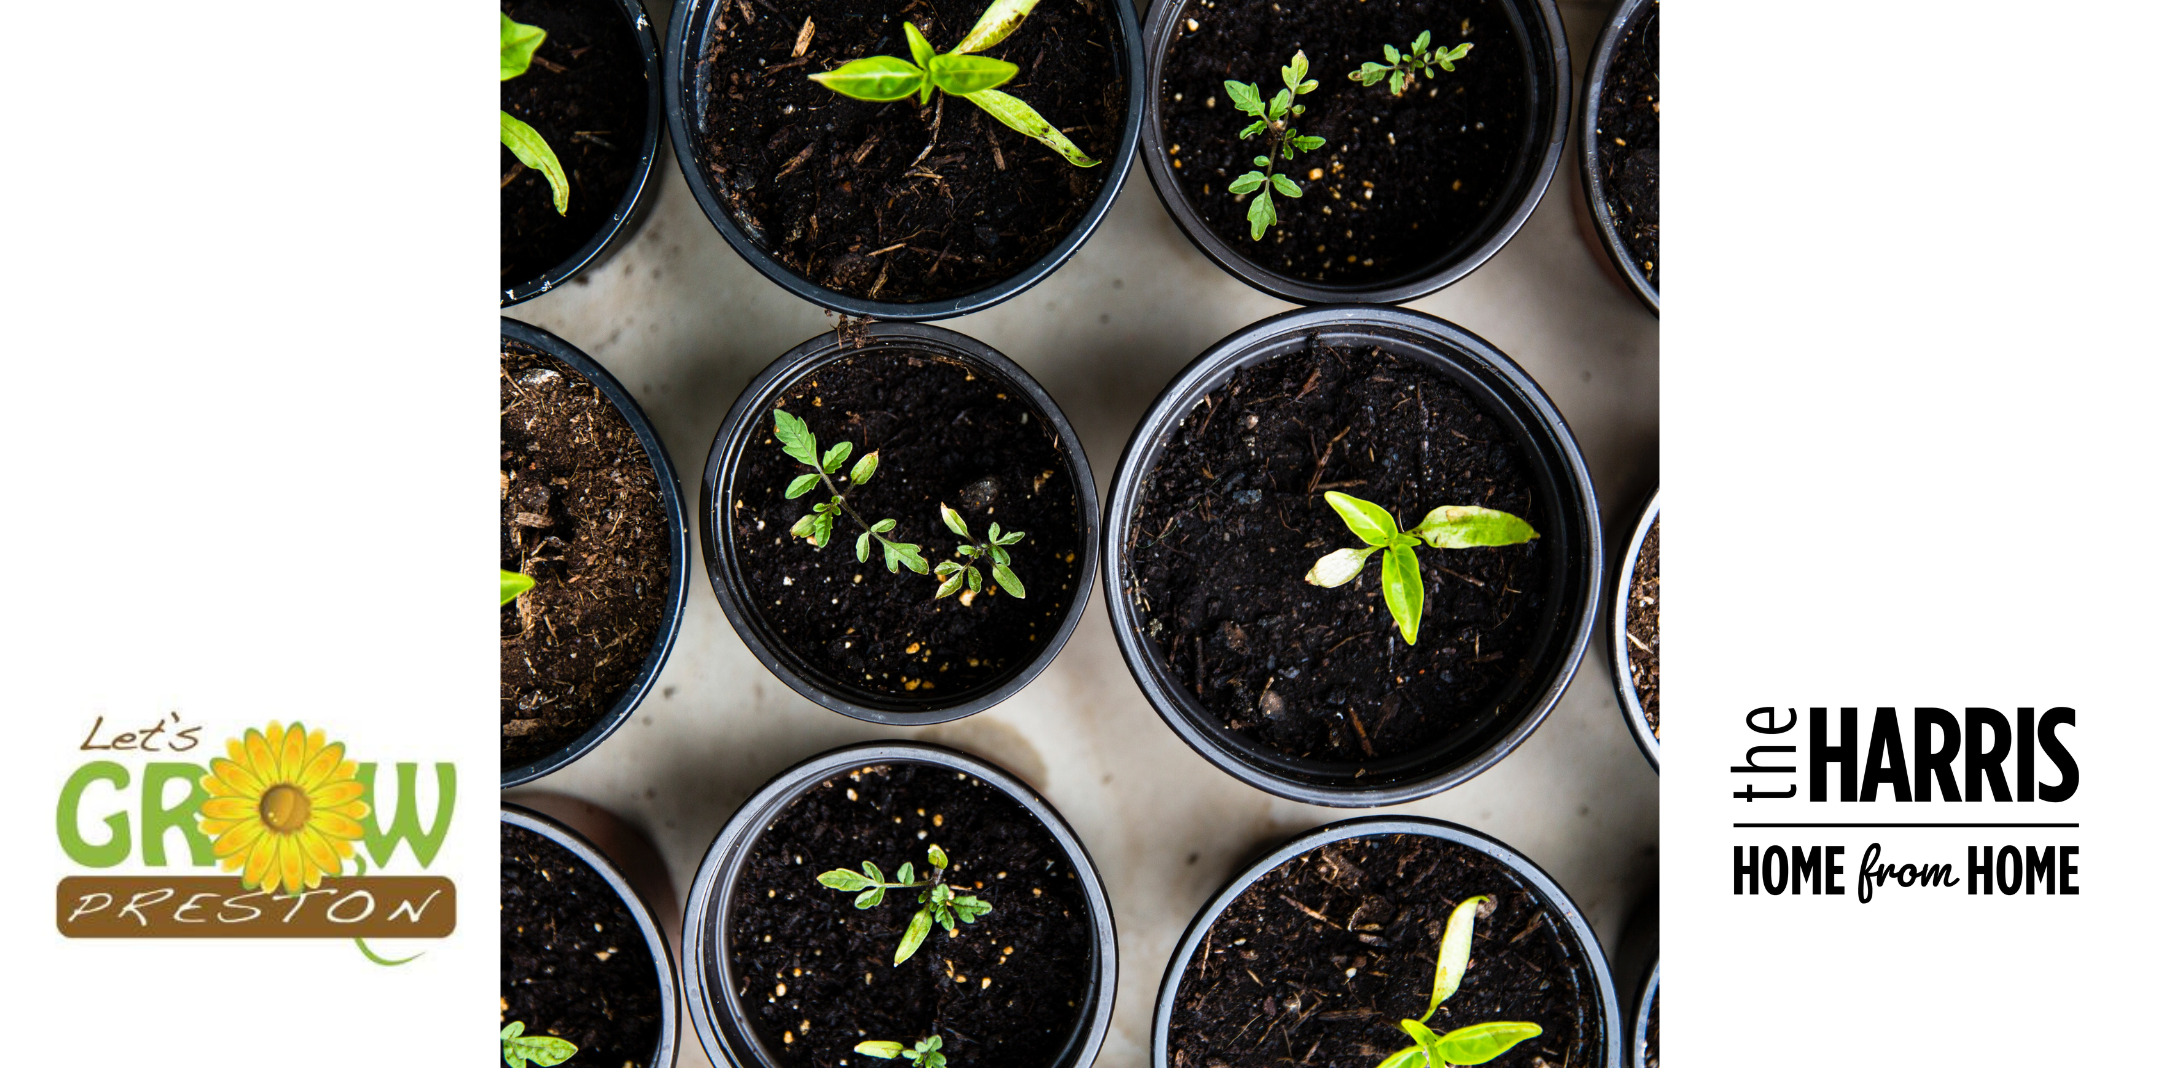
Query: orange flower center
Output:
(285,809)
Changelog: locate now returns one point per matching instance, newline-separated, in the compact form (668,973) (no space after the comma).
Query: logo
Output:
(290,823)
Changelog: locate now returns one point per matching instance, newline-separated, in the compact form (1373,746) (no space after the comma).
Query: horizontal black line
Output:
(1905,825)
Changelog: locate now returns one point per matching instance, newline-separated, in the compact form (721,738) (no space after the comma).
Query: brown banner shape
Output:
(219,907)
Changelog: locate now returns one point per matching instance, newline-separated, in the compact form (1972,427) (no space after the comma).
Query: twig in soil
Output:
(802,40)
(796,162)
(1320,465)
(1292,901)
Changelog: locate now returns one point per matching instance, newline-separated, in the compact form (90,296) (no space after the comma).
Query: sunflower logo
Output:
(283,808)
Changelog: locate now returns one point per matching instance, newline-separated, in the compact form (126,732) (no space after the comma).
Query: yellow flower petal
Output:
(261,760)
(319,854)
(291,753)
(237,838)
(242,782)
(337,826)
(335,794)
(260,864)
(289,864)
(343,848)
(318,768)
(231,809)
(346,771)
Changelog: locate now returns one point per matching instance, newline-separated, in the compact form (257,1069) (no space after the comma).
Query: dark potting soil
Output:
(1642,627)
(899,201)
(1401,181)
(585,94)
(1628,140)
(1235,513)
(1649,1057)
(945,432)
(1317,962)
(574,963)
(816,972)
(581,514)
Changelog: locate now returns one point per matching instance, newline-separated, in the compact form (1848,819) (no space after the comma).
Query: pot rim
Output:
(1639,1027)
(640,912)
(671,499)
(726,1032)
(680,86)
(1556,899)
(1552,112)
(1616,606)
(627,208)
(1587,155)
(723,567)
(1506,389)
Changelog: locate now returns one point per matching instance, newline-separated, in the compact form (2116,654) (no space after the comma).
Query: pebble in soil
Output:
(901,201)
(581,514)
(1234,514)
(1628,141)
(574,962)
(1317,961)
(816,973)
(945,432)
(1402,183)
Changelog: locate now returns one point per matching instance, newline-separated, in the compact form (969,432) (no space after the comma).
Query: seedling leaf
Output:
(1454,956)
(515,585)
(801,485)
(1338,567)
(918,45)
(1480,1043)
(1008,580)
(534,151)
(918,930)
(1245,96)
(996,23)
(519,42)
(865,468)
(879,1048)
(1473,526)
(952,519)
(546,1051)
(1370,521)
(1261,213)
(873,78)
(964,75)
(837,456)
(1021,117)
(795,437)
(1404,589)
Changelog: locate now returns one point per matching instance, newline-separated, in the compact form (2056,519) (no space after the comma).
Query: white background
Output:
(1907,462)
(1908,451)
(221,502)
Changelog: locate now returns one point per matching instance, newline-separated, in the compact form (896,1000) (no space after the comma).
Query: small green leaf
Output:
(946,567)
(527,145)
(873,78)
(1459,51)
(1398,82)
(1454,958)
(1389,51)
(1261,213)
(879,1048)
(883,526)
(943,914)
(1480,1043)
(1427,1042)
(805,527)
(865,468)
(862,548)
(1307,87)
(515,585)
(907,874)
(1000,556)
(967,551)
(1423,39)
(952,520)
(918,930)
(1252,129)
(996,535)
(996,23)
(837,456)
(1409,1057)
(1261,161)
(1371,522)
(1245,96)
(1294,72)
(844,880)
(937,857)
(821,530)
(909,555)
(1288,186)
(918,45)
(801,485)
(1009,580)
(545,1051)
(1013,538)
(1404,589)
(1473,526)
(974,577)
(964,75)
(1279,105)
(519,42)
(795,437)
(1021,117)
(949,585)
(1338,567)
(1309,142)
(970,908)
(870,898)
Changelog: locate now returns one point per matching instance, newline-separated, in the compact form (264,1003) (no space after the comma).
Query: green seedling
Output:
(520,1049)
(939,902)
(889,78)
(1420,59)
(1473,1045)
(952,574)
(832,467)
(925,1055)
(1272,119)
(519,42)
(515,585)
(1400,581)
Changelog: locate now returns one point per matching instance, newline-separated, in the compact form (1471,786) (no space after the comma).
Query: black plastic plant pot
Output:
(725,988)
(1604,164)
(678,537)
(936,678)
(1643,1043)
(1501,196)
(635,203)
(1619,604)
(1385,886)
(1566,570)
(645,930)
(697,35)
